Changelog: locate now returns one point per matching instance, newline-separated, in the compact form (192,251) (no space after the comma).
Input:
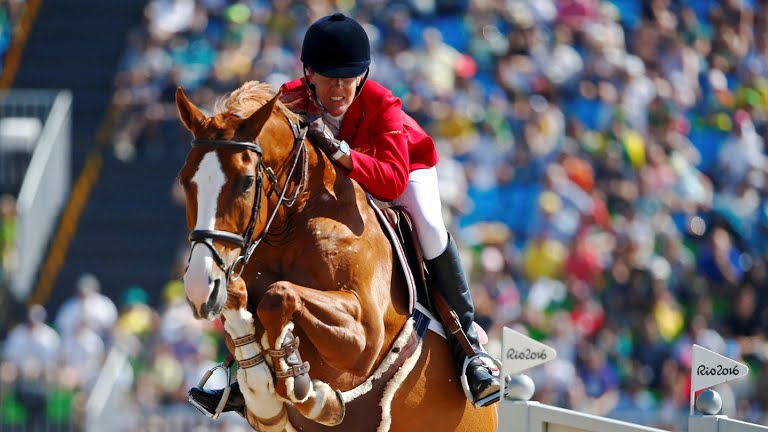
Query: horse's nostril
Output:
(214,292)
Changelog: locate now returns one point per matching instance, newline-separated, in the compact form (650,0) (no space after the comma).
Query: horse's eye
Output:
(248,182)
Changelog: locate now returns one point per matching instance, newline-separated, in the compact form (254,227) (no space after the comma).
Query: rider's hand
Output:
(322,137)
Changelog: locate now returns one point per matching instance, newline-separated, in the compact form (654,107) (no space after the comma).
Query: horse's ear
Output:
(190,115)
(251,127)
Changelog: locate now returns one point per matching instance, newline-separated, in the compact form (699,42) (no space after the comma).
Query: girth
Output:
(364,412)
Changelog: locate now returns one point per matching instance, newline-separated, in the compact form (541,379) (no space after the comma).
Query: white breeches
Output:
(422,199)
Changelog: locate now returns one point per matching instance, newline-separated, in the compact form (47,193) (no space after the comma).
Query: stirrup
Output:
(482,402)
(224,397)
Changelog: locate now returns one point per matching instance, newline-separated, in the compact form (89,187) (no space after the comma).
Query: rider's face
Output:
(334,94)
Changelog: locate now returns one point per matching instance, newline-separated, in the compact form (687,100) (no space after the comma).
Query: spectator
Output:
(719,260)
(649,353)
(745,322)
(31,350)
(82,351)
(599,392)
(741,152)
(88,307)
(33,341)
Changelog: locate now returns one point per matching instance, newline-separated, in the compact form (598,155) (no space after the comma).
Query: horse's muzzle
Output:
(216,301)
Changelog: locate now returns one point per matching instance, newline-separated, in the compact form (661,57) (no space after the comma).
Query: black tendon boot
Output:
(206,400)
(446,272)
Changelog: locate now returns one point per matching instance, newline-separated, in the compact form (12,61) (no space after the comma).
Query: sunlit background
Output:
(602,168)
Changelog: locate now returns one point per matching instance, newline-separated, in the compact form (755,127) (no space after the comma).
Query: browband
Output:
(239,145)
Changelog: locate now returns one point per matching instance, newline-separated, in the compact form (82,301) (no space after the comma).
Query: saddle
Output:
(402,226)
(426,294)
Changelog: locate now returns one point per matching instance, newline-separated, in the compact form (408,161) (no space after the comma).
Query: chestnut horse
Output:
(287,249)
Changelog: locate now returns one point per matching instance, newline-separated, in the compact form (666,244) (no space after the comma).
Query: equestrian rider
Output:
(362,127)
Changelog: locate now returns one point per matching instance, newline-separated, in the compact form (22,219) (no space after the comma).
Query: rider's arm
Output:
(382,170)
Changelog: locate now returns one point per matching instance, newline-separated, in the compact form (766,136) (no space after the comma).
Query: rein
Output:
(246,242)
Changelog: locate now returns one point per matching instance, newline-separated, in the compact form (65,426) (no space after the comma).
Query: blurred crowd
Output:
(602,166)
(100,364)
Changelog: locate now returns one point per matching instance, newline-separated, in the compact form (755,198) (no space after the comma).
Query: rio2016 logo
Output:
(718,370)
(526,354)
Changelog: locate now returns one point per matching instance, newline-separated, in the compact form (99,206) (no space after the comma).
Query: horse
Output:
(289,252)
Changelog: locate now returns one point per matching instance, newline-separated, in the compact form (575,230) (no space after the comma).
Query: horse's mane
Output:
(250,97)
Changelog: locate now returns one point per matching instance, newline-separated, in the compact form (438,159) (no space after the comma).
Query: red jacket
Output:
(388,144)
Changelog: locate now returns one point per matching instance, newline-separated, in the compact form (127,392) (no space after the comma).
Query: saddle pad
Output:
(398,249)
(423,316)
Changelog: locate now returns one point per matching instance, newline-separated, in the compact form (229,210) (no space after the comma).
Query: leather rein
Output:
(246,242)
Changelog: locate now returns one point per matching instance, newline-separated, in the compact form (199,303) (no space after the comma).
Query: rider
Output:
(361,126)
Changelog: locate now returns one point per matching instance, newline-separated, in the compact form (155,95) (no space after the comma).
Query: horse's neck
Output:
(328,187)
(329,199)
(325,191)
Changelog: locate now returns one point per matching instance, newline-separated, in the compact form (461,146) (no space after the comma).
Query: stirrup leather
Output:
(224,397)
(482,402)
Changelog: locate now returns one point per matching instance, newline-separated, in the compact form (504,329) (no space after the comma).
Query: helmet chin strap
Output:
(311,90)
(310,86)
(360,86)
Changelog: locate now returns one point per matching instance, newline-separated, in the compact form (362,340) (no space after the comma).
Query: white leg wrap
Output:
(255,382)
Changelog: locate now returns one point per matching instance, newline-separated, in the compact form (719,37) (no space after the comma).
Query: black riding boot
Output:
(207,400)
(446,272)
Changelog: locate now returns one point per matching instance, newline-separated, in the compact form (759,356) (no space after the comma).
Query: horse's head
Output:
(226,178)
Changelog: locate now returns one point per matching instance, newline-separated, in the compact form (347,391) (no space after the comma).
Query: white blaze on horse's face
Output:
(204,282)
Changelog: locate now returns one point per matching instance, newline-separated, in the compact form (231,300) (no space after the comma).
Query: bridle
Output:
(246,242)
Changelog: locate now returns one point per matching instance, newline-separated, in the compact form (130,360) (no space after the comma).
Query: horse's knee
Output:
(280,298)
(237,295)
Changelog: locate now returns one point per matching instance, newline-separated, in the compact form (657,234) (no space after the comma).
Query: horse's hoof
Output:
(334,409)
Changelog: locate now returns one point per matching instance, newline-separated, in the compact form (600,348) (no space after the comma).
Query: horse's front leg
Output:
(331,320)
(266,412)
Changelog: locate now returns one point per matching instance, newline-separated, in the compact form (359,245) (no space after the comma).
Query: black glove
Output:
(322,137)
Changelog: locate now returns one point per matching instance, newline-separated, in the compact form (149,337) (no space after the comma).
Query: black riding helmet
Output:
(336,46)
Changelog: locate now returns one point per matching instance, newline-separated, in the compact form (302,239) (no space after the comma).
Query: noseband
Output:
(246,242)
